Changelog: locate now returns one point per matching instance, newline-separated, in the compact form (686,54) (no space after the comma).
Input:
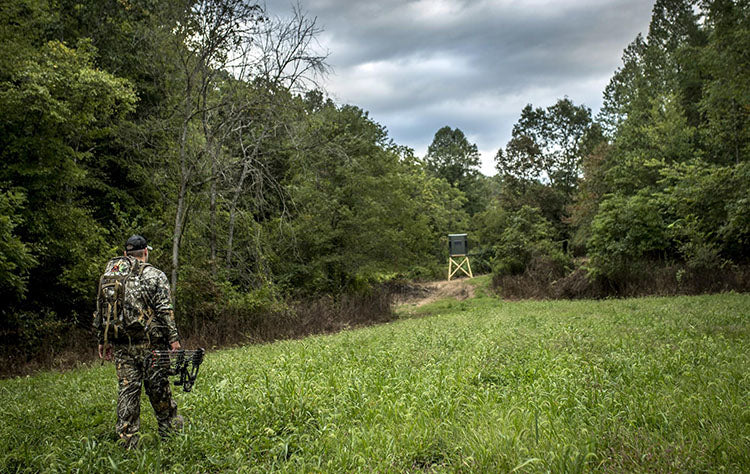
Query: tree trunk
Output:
(211,152)
(233,212)
(238,191)
(176,237)
(179,218)
(212,214)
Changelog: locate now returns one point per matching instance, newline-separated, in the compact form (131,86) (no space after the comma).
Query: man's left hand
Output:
(105,352)
(175,346)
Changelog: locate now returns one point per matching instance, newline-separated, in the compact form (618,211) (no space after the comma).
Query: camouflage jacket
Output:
(147,299)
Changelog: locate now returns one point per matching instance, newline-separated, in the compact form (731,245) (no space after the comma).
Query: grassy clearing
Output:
(653,384)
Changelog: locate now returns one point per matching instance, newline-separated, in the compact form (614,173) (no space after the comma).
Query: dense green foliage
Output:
(660,177)
(519,238)
(655,384)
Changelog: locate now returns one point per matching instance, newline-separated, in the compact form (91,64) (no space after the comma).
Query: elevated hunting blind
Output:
(458,246)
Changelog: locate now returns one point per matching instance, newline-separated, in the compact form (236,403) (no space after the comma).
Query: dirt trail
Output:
(423,293)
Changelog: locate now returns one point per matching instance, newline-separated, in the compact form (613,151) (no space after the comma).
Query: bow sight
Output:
(184,363)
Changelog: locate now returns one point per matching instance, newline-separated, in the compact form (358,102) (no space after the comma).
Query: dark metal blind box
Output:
(458,244)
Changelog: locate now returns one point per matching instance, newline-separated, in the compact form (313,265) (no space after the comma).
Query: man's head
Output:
(137,247)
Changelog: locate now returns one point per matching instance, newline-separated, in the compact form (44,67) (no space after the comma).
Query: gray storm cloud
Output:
(419,65)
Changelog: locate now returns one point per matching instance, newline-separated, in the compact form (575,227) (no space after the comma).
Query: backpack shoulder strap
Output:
(142,266)
(134,264)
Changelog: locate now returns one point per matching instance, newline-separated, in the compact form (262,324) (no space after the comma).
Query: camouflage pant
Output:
(131,374)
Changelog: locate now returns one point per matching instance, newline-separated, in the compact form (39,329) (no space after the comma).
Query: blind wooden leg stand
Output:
(454,266)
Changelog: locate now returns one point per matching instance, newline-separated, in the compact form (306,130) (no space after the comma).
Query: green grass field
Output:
(653,384)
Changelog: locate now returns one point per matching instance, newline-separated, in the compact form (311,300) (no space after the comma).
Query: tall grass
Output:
(654,384)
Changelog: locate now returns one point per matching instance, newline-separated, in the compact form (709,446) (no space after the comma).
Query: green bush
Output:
(429,271)
(15,255)
(626,230)
(736,231)
(30,333)
(527,237)
(204,297)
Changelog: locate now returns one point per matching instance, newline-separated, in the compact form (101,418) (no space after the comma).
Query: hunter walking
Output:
(134,316)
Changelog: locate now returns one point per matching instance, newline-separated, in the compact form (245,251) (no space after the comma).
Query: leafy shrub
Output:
(626,230)
(736,230)
(30,332)
(481,260)
(204,298)
(426,272)
(527,238)
(15,256)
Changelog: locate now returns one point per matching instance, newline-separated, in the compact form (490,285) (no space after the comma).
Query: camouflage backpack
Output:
(120,278)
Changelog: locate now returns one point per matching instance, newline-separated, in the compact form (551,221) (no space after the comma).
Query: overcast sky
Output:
(418,65)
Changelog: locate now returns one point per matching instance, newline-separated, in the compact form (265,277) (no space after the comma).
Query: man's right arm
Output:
(164,310)
(98,322)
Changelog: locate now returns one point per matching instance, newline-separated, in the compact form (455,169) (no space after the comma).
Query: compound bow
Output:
(184,363)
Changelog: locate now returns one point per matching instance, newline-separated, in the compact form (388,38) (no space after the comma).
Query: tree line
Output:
(200,125)
(656,184)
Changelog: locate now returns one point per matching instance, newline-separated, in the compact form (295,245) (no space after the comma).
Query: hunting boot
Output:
(178,423)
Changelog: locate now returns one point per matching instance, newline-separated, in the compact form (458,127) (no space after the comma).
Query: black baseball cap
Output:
(136,242)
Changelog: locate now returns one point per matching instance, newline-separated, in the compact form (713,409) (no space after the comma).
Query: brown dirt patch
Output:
(421,294)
